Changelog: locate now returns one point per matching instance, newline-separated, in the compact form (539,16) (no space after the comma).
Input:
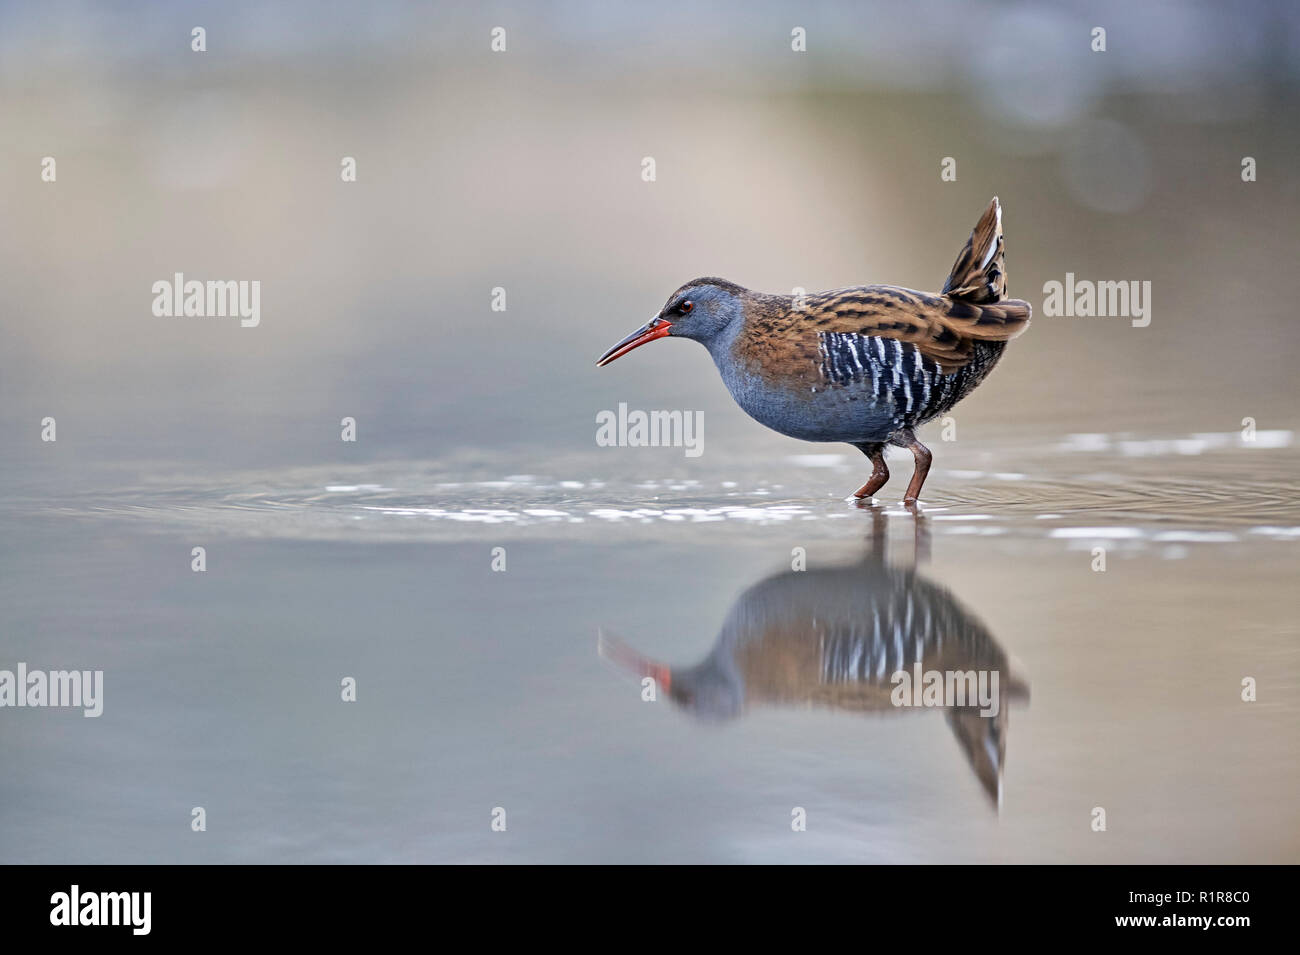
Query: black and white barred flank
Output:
(899,375)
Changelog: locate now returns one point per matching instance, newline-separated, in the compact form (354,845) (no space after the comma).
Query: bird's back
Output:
(858,364)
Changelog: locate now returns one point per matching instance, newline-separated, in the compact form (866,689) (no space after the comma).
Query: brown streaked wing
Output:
(941,329)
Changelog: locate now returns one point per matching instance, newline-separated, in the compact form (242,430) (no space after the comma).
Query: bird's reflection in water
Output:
(834,637)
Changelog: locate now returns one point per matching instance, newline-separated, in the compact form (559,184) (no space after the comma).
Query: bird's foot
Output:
(879,472)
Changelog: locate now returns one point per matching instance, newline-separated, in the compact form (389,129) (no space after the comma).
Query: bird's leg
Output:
(906,439)
(879,473)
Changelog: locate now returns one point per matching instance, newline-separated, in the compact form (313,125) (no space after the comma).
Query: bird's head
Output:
(700,310)
(712,690)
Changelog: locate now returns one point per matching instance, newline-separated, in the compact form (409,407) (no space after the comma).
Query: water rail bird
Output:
(866,365)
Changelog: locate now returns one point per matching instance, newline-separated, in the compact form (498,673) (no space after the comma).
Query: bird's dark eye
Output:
(685,307)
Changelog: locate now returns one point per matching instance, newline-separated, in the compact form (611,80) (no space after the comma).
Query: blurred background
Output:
(522,170)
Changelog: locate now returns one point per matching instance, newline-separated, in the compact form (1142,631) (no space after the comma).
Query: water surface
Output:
(480,689)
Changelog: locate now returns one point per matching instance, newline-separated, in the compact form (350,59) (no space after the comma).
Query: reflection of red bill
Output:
(611,648)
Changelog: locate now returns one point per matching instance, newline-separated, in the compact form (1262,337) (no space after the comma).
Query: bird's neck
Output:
(721,343)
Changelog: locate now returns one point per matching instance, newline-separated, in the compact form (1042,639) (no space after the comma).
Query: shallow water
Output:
(480,689)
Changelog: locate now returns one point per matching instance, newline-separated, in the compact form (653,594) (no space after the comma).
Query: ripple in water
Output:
(1196,489)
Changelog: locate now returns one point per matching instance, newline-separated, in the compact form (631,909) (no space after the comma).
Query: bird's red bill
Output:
(655,328)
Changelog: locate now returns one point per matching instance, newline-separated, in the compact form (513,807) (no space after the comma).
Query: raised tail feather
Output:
(977,284)
(945,329)
(979,275)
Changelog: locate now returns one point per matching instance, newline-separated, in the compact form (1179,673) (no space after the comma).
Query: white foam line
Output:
(1117,533)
